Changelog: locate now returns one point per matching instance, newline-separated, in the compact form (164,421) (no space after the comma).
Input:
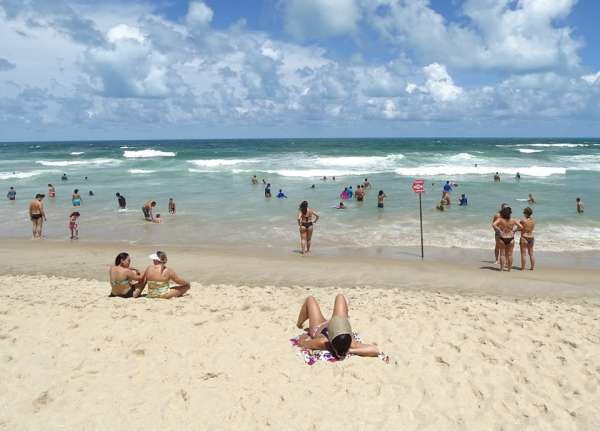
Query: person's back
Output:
(12,194)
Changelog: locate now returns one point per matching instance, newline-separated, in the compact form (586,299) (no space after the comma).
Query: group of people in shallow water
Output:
(505,228)
(160,281)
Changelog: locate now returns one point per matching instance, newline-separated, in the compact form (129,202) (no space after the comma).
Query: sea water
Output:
(217,204)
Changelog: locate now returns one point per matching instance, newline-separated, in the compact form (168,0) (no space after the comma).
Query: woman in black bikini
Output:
(505,225)
(527,238)
(307,217)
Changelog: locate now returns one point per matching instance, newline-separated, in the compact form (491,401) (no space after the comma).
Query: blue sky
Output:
(298,68)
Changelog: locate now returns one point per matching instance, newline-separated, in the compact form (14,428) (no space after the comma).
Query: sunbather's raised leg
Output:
(340,307)
(310,310)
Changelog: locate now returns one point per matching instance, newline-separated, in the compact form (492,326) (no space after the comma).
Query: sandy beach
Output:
(470,348)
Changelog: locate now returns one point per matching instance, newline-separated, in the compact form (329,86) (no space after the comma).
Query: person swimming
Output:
(51,191)
(91,193)
(463,202)
(76,198)
(579,205)
(157,219)
(380,198)
(341,206)
(359,194)
(64,177)
(121,201)
(335,334)
(12,194)
(350,192)
(530,199)
(281,195)
(496,177)
(268,190)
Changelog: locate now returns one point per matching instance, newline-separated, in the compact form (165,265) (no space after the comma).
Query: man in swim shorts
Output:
(12,194)
(121,200)
(37,215)
(579,205)
(147,210)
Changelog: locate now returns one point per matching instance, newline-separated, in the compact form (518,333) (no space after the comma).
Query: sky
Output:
(206,69)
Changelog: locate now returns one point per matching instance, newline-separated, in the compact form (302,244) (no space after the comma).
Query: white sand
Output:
(71,358)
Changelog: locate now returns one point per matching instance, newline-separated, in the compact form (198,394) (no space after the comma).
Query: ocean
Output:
(218,205)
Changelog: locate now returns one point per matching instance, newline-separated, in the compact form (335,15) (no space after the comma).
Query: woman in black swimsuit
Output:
(527,238)
(307,217)
(505,225)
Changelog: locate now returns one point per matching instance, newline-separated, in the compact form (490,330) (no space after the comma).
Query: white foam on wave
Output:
(309,173)
(453,170)
(359,161)
(461,156)
(22,175)
(529,150)
(545,145)
(91,162)
(212,163)
(148,153)
(141,171)
(77,153)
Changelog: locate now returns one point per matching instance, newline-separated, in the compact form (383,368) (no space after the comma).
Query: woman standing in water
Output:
(505,225)
(527,240)
(307,217)
(380,197)
(76,198)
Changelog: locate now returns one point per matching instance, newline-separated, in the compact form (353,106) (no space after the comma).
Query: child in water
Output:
(172,208)
(341,206)
(157,219)
(579,205)
(73,225)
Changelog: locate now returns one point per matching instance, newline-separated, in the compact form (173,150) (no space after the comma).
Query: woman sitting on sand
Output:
(125,282)
(159,277)
(527,239)
(307,217)
(505,226)
(334,334)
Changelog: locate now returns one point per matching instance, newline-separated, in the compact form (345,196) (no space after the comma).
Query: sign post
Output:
(418,187)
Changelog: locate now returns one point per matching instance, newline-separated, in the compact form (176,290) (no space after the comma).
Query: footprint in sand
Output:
(41,401)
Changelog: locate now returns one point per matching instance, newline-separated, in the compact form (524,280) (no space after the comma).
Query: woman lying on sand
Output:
(125,282)
(158,277)
(334,334)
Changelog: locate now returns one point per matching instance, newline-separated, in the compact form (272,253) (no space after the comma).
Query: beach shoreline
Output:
(462,273)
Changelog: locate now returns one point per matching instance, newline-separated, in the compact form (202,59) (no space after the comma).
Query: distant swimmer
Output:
(51,191)
(64,177)
(12,194)
(344,194)
(307,218)
(254,180)
(76,198)
(366,184)
(463,202)
(341,206)
(333,178)
(85,178)
(313,186)
(73,225)
(91,193)
(531,200)
(121,201)
(350,192)
(506,226)
(281,195)
(518,177)
(496,177)
(324,179)
(172,207)
(579,205)
(527,238)
(268,190)
(359,194)
(497,233)
(380,198)
(147,210)
(37,215)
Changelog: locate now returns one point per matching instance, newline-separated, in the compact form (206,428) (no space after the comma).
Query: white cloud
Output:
(503,34)
(592,79)
(308,19)
(124,32)
(199,15)
(439,84)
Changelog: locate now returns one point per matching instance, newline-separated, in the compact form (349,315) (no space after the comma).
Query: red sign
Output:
(418,186)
